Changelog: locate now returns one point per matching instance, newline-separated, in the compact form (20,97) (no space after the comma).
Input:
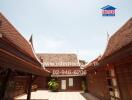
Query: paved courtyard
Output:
(46,95)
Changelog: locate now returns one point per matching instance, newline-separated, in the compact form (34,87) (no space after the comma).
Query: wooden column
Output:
(31,80)
(4,84)
(29,87)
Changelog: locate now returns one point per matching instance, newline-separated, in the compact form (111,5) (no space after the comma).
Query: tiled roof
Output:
(120,39)
(10,33)
(58,60)
(93,63)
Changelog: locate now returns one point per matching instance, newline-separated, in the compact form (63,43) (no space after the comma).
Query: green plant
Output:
(53,85)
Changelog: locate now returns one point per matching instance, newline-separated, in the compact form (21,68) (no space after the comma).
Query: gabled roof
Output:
(108,7)
(16,52)
(120,39)
(93,63)
(59,60)
(11,34)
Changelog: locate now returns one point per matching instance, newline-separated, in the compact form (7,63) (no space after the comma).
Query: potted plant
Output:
(53,85)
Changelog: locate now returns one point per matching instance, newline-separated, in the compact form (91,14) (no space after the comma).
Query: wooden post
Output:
(29,87)
(4,84)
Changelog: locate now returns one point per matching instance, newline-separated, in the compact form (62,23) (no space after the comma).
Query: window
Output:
(70,81)
(116,93)
(112,72)
(112,85)
(114,82)
(109,82)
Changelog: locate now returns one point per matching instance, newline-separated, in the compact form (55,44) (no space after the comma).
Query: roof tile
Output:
(120,39)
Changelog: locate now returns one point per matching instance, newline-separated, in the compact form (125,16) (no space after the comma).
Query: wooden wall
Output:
(17,85)
(77,83)
(124,76)
(21,85)
(97,84)
(42,83)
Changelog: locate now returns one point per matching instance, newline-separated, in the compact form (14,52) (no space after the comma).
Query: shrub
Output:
(53,85)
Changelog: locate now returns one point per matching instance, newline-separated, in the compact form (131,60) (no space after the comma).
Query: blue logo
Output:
(108,11)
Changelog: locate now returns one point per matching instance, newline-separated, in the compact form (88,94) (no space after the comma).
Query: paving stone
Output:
(47,95)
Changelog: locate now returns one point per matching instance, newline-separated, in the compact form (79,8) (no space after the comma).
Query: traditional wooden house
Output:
(65,68)
(110,78)
(19,66)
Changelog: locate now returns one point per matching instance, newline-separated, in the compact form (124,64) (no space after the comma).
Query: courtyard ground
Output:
(47,95)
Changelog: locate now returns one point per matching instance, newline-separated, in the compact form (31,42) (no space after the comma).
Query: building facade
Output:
(65,68)
(109,78)
(19,66)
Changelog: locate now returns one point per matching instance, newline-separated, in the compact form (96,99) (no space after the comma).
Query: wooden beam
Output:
(29,87)
(4,84)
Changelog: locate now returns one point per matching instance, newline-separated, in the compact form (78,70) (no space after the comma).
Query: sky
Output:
(67,26)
